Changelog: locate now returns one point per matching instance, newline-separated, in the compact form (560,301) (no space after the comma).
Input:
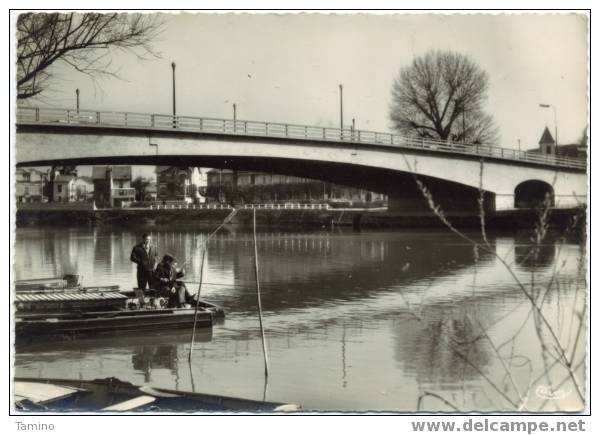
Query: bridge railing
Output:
(39,115)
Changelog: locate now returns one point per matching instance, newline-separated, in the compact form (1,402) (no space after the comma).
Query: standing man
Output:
(145,256)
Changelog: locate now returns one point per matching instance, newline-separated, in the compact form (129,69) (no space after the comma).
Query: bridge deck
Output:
(169,123)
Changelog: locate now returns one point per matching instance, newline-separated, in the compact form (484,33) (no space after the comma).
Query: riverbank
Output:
(356,218)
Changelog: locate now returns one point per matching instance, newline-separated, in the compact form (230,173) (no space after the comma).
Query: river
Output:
(372,320)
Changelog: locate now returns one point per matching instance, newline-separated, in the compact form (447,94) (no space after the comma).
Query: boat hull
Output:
(84,324)
(112,395)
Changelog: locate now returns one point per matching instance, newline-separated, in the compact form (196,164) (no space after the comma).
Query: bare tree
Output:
(82,41)
(583,140)
(441,95)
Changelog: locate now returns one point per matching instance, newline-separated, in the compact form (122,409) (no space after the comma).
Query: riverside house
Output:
(29,185)
(112,186)
(179,184)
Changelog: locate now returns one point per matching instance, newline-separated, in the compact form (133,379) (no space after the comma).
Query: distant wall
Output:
(54,206)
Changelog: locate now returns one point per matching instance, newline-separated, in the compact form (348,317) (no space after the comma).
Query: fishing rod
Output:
(225,221)
(205,242)
(262,330)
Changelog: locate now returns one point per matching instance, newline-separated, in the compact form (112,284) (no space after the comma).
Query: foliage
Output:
(583,140)
(441,95)
(140,184)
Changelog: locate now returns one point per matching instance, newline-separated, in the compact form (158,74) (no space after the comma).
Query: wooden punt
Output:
(84,323)
(93,299)
(114,396)
(76,311)
(66,294)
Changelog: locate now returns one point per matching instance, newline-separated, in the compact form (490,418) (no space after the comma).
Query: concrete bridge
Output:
(454,173)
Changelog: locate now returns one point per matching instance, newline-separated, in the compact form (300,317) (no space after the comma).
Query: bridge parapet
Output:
(188,124)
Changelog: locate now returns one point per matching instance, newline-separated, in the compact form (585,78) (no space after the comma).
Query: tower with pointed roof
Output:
(547,143)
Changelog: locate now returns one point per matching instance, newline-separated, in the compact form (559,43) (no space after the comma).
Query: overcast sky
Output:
(286,68)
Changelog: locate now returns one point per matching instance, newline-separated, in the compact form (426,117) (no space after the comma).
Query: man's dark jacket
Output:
(144,260)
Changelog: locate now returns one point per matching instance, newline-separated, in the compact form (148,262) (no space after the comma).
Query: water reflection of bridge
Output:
(296,270)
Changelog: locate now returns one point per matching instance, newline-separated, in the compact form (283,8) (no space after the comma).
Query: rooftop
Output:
(546,138)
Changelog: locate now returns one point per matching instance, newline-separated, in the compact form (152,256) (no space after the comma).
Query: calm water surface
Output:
(354,320)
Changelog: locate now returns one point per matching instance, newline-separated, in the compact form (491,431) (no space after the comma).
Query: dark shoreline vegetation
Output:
(358,219)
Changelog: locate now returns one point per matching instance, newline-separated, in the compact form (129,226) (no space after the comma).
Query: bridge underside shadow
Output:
(403,192)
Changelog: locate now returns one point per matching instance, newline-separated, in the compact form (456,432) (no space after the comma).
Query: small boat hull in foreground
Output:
(113,396)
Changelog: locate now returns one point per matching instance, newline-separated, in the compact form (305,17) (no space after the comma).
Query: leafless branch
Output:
(441,95)
(82,41)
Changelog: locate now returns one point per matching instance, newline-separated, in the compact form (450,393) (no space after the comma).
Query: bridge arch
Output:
(533,194)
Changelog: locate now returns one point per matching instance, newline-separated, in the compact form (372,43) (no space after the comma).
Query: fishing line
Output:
(225,221)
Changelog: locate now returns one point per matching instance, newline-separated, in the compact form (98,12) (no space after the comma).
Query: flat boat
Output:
(63,308)
(86,323)
(112,395)
(93,299)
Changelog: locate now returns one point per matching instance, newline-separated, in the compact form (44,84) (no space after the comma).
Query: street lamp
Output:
(341,107)
(174,105)
(547,106)
(234,117)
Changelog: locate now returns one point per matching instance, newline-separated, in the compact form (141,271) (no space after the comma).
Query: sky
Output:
(287,68)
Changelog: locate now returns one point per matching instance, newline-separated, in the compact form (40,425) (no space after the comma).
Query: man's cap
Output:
(169,257)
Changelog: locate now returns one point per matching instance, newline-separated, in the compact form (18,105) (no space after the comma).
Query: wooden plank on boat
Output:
(289,407)
(40,284)
(130,404)
(71,290)
(43,393)
(68,296)
(156,393)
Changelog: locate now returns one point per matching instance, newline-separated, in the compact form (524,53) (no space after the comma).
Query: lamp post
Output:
(341,106)
(77,95)
(174,101)
(341,111)
(234,117)
(547,106)
(220,185)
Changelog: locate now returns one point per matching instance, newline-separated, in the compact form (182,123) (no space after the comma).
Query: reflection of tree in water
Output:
(429,349)
(529,255)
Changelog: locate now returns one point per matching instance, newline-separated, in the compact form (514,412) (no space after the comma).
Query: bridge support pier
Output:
(505,201)
(451,198)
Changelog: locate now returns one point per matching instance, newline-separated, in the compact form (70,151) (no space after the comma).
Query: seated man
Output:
(166,282)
